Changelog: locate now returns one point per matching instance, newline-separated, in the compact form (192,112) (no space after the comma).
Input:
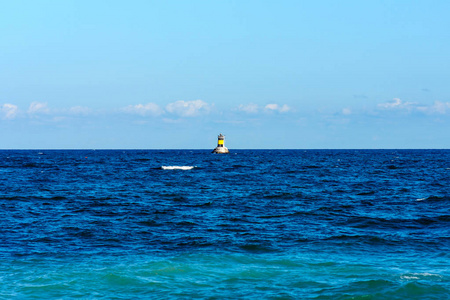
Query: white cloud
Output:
(249,108)
(437,108)
(271,107)
(285,108)
(396,103)
(58,119)
(149,109)
(189,108)
(42,110)
(9,111)
(346,111)
(252,108)
(38,108)
(275,107)
(80,110)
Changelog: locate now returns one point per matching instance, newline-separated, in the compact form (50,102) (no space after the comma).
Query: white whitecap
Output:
(405,277)
(416,276)
(177,167)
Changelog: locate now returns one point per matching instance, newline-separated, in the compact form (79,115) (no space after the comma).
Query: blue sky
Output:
(267,74)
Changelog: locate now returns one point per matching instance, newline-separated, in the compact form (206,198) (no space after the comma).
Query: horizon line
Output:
(203,149)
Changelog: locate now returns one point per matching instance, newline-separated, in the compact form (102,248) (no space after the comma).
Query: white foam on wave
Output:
(416,276)
(177,167)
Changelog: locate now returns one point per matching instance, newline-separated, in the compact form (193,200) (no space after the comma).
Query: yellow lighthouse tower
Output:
(221,149)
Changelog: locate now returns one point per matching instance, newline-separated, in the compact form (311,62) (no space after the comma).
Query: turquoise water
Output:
(330,224)
(251,276)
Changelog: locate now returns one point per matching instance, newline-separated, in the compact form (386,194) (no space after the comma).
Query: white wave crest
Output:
(177,167)
(416,276)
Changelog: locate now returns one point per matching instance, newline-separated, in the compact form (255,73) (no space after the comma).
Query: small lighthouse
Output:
(221,149)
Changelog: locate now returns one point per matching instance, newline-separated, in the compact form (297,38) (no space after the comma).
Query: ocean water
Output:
(274,224)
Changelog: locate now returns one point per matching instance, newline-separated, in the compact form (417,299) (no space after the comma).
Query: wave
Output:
(384,223)
(434,198)
(418,276)
(177,167)
(257,248)
(142,159)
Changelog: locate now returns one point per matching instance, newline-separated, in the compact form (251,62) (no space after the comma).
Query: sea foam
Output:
(177,167)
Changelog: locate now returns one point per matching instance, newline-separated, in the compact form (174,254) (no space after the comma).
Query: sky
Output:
(267,74)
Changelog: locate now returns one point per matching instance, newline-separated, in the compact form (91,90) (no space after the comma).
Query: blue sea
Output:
(188,224)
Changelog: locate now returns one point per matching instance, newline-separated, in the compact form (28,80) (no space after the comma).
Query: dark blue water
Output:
(278,224)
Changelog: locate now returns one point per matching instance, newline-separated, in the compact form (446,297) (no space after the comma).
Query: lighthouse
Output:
(221,149)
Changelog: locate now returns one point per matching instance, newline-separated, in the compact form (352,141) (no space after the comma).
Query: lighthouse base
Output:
(221,150)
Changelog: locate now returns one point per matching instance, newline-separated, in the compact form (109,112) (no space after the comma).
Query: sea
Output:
(252,224)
